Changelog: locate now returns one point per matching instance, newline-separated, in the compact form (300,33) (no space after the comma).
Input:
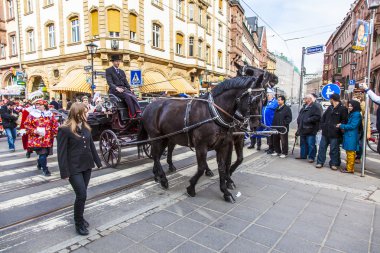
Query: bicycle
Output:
(373,140)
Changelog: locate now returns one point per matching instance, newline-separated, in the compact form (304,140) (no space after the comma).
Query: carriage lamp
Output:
(91,48)
(353,65)
(373,4)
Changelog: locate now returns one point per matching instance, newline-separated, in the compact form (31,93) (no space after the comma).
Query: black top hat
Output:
(115,57)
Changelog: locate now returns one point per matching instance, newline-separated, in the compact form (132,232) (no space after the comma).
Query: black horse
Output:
(213,115)
(270,80)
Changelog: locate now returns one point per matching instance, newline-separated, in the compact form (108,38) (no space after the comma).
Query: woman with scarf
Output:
(351,134)
(41,128)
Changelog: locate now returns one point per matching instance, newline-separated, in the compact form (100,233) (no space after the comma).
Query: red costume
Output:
(24,115)
(45,120)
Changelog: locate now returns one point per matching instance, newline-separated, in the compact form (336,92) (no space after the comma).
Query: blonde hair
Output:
(77,115)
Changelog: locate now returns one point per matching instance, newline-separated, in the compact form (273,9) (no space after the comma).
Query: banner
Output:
(361,36)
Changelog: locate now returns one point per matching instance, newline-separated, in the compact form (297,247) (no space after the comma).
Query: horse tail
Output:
(143,134)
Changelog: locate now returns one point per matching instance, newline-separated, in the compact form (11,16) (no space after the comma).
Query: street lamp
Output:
(91,49)
(372,6)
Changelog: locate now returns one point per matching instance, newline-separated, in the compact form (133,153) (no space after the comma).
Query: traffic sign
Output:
(21,83)
(88,68)
(93,87)
(100,73)
(136,78)
(330,89)
(352,82)
(315,49)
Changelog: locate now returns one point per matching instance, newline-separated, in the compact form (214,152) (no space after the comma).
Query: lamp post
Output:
(91,49)
(372,6)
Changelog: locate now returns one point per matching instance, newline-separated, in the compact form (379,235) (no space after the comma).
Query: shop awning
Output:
(156,82)
(74,81)
(182,85)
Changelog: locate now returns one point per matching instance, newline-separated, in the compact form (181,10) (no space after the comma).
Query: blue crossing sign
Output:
(136,77)
(330,89)
(352,82)
(315,49)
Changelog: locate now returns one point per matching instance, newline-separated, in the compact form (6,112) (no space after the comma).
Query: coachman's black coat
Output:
(76,153)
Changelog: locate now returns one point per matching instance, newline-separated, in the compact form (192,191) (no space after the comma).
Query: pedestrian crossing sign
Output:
(136,78)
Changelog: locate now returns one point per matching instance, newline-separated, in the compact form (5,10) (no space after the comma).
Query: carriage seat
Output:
(121,106)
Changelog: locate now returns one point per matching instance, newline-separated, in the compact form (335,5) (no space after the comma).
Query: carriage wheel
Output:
(148,150)
(110,148)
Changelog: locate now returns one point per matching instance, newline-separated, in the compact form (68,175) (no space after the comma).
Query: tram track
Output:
(92,199)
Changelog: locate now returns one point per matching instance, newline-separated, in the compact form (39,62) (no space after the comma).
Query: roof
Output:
(260,34)
(253,22)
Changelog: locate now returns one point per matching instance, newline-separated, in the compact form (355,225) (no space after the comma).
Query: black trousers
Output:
(283,147)
(79,182)
(130,99)
(254,140)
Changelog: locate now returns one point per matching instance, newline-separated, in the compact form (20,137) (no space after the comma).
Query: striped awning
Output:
(156,82)
(182,85)
(74,81)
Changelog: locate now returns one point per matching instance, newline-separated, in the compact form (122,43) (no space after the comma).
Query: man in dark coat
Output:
(119,87)
(9,117)
(308,126)
(54,103)
(282,117)
(335,114)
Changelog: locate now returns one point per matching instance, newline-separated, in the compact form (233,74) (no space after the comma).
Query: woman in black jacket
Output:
(76,157)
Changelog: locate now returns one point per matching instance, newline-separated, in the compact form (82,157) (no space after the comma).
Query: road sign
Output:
(352,82)
(93,87)
(330,89)
(315,49)
(100,73)
(88,68)
(89,80)
(21,83)
(136,78)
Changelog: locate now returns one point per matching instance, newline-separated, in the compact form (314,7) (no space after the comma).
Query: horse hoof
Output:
(231,186)
(229,198)
(172,168)
(209,173)
(190,190)
(165,184)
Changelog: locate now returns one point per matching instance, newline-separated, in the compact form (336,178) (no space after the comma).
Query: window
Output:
(179,8)
(11,9)
(200,15)
(2,51)
(156,35)
(29,6)
(191,12)
(95,23)
(191,46)
(200,44)
(30,38)
(339,63)
(13,45)
(156,2)
(220,54)
(220,5)
(377,42)
(51,36)
(208,25)
(220,32)
(208,54)
(132,26)
(75,35)
(113,22)
(179,43)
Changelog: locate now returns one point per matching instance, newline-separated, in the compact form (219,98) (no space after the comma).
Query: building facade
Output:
(288,77)
(166,40)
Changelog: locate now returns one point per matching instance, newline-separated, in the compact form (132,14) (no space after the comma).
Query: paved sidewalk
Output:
(285,206)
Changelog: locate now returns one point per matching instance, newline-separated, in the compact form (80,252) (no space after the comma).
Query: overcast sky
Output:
(286,16)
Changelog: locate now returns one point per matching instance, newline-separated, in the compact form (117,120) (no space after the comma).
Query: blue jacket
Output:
(268,112)
(351,132)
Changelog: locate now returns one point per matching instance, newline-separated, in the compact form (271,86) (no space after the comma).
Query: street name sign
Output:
(330,89)
(136,78)
(315,49)
(100,73)
(87,68)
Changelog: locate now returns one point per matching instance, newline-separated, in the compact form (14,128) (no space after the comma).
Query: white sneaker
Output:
(275,154)
(282,156)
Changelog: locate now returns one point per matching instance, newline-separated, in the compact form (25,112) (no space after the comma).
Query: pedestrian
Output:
(316,102)
(335,114)
(359,153)
(76,157)
(267,113)
(25,113)
(308,126)
(90,108)
(41,128)
(282,117)
(376,99)
(351,134)
(68,104)
(9,118)
(54,103)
